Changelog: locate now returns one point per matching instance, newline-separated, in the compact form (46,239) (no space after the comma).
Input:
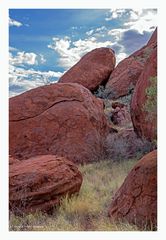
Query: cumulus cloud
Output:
(23,58)
(22,79)
(12,49)
(131,24)
(141,20)
(27,58)
(89,33)
(144,20)
(116,33)
(14,23)
(135,28)
(114,14)
(71,52)
(97,32)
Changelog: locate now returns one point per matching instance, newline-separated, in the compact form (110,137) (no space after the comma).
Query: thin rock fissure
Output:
(22,119)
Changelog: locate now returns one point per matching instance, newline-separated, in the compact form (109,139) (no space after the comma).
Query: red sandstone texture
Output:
(39,183)
(62,119)
(136,199)
(92,70)
(145,121)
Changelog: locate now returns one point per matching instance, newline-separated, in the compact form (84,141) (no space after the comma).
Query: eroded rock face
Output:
(136,199)
(124,77)
(62,119)
(92,70)
(143,108)
(39,183)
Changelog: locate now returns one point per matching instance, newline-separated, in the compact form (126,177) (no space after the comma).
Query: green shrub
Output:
(151,104)
(151,93)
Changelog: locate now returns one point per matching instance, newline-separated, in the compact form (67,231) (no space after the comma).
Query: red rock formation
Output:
(39,183)
(121,116)
(13,160)
(117,104)
(92,70)
(144,120)
(62,119)
(136,199)
(125,76)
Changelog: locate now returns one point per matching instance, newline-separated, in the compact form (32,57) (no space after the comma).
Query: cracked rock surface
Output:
(39,183)
(62,119)
(136,199)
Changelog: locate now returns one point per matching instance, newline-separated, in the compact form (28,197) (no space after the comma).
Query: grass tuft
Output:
(89,210)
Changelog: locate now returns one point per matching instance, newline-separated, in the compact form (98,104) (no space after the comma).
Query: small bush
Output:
(151,93)
(126,144)
(151,104)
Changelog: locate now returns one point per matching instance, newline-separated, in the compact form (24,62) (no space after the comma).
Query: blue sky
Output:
(44,43)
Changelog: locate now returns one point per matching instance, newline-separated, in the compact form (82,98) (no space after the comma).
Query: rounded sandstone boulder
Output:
(62,119)
(136,200)
(92,70)
(39,183)
(144,101)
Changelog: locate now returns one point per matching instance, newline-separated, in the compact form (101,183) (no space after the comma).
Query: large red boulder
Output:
(92,70)
(62,119)
(39,183)
(125,76)
(136,199)
(144,104)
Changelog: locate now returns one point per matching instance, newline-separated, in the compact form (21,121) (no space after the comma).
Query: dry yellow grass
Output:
(89,210)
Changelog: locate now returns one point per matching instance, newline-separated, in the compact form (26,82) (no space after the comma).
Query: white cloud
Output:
(114,14)
(142,20)
(26,58)
(71,52)
(22,79)
(139,20)
(120,56)
(90,32)
(116,33)
(12,49)
(97,32)
(42,59)
(15,23)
